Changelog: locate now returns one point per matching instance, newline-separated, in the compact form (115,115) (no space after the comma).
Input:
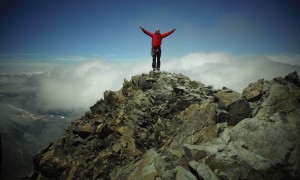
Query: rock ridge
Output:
(166,126)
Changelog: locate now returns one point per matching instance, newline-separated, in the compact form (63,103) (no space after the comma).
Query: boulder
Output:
(183,173)
(84,131)
(238,111)
(225,97)
(150,166)
(203,171)
(222,116)
(281,98)
(254,91)
(293,78)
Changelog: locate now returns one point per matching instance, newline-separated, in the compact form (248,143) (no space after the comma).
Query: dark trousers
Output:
(156,52)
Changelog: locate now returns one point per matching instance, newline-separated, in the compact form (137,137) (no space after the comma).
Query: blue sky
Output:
(90,46)
(108,29)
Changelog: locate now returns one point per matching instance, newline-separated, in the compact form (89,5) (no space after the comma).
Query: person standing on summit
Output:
(156,42)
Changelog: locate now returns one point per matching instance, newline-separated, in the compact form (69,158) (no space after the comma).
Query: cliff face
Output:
(165,126)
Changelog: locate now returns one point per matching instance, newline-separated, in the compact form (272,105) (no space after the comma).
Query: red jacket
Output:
(157,38)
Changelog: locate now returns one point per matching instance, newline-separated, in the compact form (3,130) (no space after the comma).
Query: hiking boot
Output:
(154,69)
(158,69)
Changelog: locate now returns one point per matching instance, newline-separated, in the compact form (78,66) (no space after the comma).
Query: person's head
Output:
(157,31)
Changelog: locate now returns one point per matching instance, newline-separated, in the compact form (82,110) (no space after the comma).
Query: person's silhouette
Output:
(156,42)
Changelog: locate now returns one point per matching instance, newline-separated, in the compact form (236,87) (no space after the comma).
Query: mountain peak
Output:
(164,125)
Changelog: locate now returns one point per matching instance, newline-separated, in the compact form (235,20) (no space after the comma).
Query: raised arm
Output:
(146,32)
(168,33)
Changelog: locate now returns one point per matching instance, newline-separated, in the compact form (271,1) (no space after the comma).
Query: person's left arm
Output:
(168,33)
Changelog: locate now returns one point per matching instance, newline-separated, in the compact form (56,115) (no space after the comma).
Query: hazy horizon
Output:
(69,87)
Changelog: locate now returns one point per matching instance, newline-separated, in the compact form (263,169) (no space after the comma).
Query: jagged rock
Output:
(270,145)
(84,131)
(194,154)
(183,173)
(254,91)
(165,126)
(238,111)
(222,116)
(221,175)
(203,171)
(293,78)
(151,166)
(282,98)
(232,107)
(179,89)
(226,97)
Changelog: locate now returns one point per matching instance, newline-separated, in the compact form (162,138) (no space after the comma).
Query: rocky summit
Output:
(166,126)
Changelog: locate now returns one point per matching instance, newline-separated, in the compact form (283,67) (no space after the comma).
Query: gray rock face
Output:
(254,91)
(165,126)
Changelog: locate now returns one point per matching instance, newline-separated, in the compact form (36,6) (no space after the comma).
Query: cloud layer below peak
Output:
(79,86)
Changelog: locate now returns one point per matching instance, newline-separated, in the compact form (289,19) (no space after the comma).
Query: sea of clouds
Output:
(79,86)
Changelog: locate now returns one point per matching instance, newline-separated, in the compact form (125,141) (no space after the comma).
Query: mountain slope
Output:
(24,127)
(23,134)
(165,126)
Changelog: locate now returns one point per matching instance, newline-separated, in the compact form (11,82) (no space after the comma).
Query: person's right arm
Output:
(146,32)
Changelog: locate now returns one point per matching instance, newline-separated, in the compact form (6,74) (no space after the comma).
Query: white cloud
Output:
(292,59)
(220,69)
(80,86)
